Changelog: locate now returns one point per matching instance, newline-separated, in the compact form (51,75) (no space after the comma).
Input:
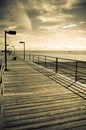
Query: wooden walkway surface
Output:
(37,99)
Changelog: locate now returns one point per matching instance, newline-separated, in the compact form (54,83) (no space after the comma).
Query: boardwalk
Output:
(37,99)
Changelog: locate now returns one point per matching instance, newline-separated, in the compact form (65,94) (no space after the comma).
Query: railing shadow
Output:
(74,69)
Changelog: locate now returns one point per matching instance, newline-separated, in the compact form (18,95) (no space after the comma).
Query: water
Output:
(75,55)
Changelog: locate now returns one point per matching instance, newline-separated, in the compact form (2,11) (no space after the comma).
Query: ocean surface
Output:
(75,55)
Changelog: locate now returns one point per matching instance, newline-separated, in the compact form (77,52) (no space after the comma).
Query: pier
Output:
(36,98)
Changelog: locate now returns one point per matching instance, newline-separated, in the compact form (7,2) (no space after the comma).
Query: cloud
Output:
(60,18)
(48,19)
(12,27)
(51,11)
(82,39)
(14,15)
(31,14)
(69,26)
(53,28)
(77,9)
(43,11)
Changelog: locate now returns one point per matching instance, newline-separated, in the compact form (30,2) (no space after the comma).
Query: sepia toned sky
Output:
(44,24)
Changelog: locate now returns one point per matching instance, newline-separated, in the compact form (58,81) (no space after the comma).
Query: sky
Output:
(44,24)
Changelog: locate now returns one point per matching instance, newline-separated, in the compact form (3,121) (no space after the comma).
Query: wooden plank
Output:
(33,100)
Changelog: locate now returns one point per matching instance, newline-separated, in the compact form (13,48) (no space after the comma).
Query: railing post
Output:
(33,57)
(29,57)
(26,57)
(38,59)
(56,65)
(76,69)
(45,61)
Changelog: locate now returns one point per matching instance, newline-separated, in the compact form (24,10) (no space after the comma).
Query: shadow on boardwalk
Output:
(38,99)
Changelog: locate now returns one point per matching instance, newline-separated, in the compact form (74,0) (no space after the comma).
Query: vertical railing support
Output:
(56,65)
(45,61)
(76,70)
(38,59)
(33,57)
(29,57)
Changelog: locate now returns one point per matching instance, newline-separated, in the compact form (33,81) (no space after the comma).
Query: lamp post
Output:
(11,33)
(24,48)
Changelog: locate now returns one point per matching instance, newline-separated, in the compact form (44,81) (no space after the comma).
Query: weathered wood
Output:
(37,99)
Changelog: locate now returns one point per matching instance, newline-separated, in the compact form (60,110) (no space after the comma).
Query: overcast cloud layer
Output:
(45,23)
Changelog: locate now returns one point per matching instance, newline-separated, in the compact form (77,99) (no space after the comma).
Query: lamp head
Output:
(12,32)
(21,42)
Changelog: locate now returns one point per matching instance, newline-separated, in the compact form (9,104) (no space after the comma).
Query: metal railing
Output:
(1,92)
(74,69)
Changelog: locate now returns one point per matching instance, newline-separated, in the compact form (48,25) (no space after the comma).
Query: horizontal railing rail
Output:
(1,92)
(74,69)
